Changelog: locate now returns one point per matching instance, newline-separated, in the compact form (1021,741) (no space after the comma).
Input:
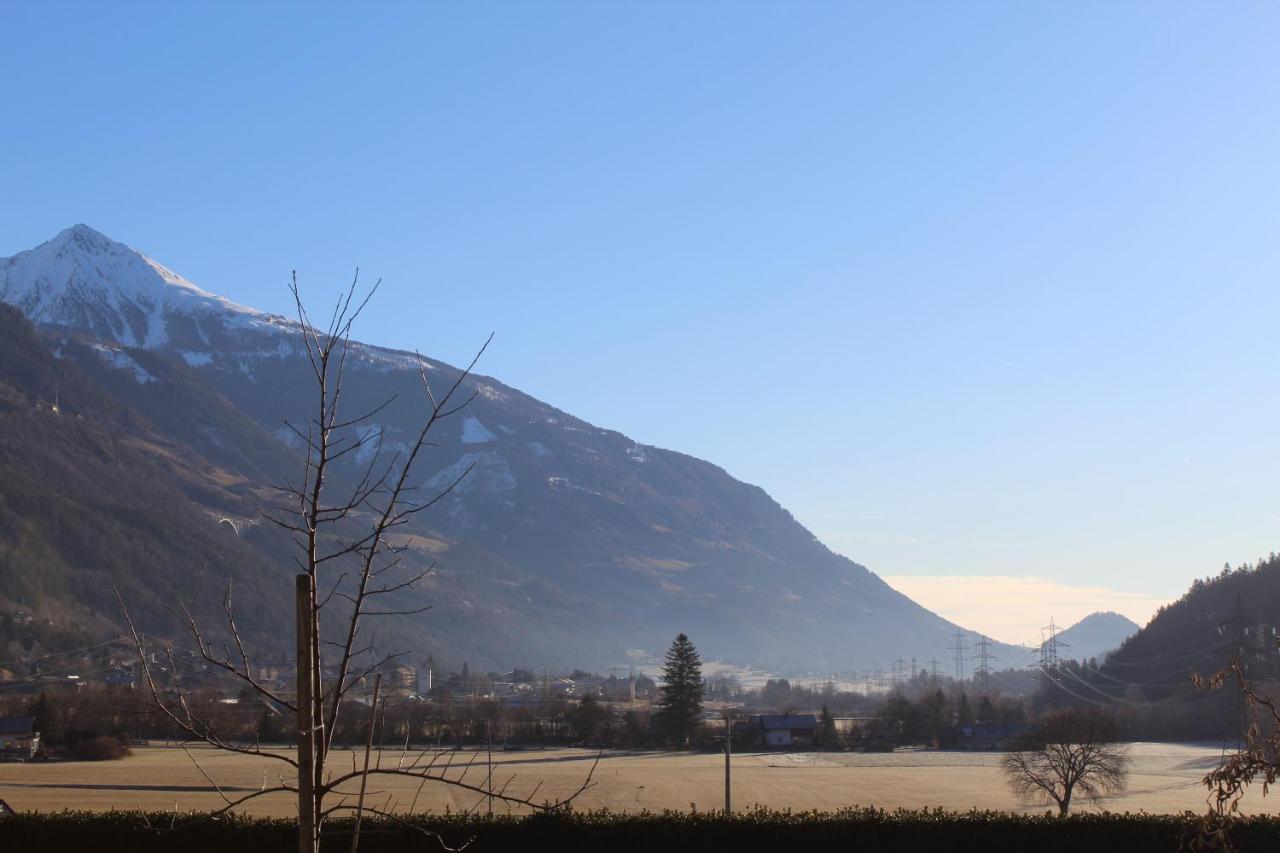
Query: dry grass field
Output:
(1165,779)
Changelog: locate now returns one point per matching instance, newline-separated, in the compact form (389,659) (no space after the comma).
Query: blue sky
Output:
(977,290)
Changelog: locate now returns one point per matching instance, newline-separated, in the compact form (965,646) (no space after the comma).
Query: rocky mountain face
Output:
(566,543)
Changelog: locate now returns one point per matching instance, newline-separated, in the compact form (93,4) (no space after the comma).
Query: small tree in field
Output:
(680,697)
(351,572)
(1071,752)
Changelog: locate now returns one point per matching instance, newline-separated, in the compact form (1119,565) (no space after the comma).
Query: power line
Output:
(1049,645)
(959,650)
(899,672)
(984,658)
(29,660)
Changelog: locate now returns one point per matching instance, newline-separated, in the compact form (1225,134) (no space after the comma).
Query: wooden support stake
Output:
(306,724)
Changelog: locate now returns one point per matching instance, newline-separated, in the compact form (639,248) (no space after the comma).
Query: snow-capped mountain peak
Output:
(84,279)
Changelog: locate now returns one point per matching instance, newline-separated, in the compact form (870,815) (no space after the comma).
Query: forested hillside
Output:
(91,493)
(1150,680)
(1234,613)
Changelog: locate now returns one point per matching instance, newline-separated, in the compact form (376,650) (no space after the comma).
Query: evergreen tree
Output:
(45,720)
(589,719)
(268,728)
(680,696)
(935,707)
(776,694)
(827,738)
(964,716)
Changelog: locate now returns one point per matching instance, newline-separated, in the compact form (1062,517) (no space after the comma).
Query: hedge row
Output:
(863,830)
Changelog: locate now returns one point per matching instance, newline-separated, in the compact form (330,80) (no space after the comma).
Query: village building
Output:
(403,678)
(19,741)
(775,730)
(993,737)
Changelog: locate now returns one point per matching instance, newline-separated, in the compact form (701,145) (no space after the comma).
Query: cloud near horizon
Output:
(1014,609)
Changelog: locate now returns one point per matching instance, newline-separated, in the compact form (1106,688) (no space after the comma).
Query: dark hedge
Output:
(863,830)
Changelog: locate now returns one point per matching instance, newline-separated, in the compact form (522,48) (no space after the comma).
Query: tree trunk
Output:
(307,838)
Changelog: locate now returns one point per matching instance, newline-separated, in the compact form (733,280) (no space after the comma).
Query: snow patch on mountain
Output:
(386,360)
(197,359)
(489,474)
(369,437)
(374,443)
(474,432)
(285,434)
(121,360)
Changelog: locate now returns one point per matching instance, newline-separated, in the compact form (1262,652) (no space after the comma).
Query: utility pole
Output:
(933,668)
(1051,644)
(959,649)
(899,673)
(1239,650)
(728,753)
(306,722)
(984,658)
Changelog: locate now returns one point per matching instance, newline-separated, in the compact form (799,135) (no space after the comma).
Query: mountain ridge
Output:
(647,541)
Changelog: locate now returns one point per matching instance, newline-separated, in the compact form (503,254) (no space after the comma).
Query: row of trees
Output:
(934,717)
(65,716)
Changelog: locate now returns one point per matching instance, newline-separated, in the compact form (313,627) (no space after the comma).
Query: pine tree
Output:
(827,739)
(936,713)
(45,720)
(964,716)
(680,697)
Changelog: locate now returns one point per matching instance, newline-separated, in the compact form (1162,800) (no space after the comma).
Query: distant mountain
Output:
(1096,634)
(567,544)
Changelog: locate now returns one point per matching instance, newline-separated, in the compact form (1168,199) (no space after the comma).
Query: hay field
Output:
(1165,779)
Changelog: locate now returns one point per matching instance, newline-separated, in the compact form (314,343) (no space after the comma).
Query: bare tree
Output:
(347,566)
(1257,759)
(1074,751)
